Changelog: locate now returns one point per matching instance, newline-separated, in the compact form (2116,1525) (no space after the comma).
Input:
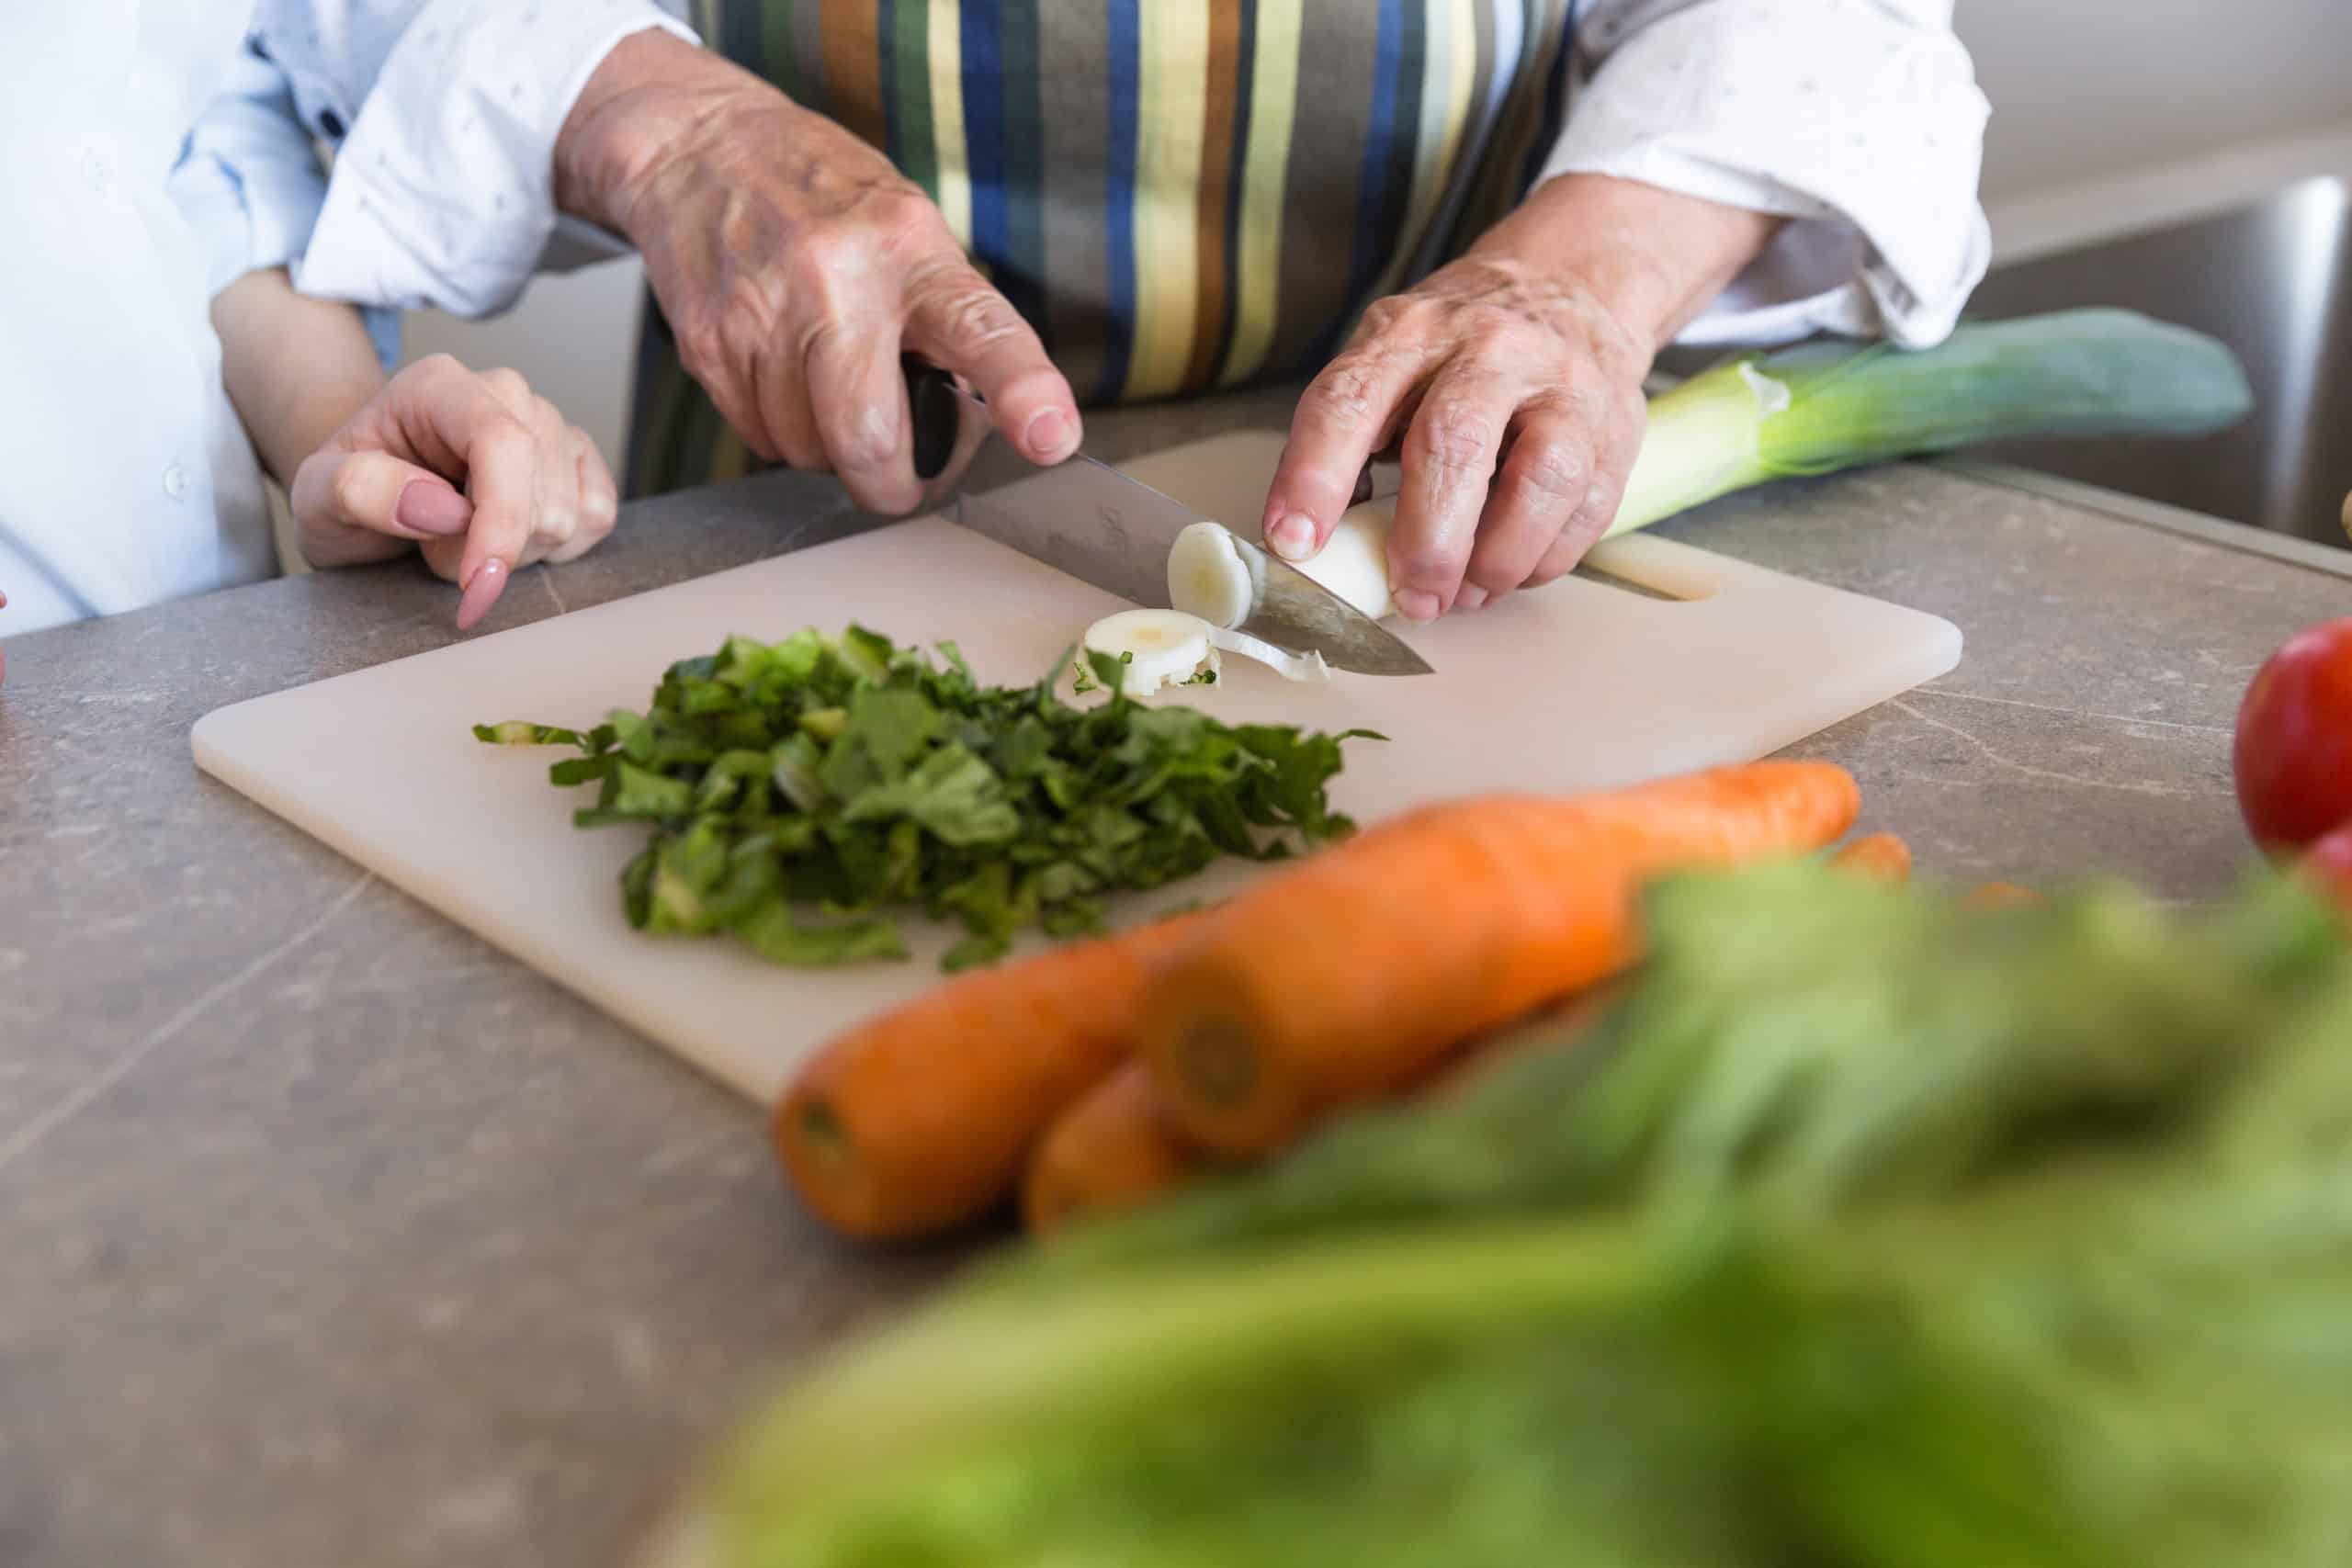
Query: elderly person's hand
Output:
(794,264)
(1511,384)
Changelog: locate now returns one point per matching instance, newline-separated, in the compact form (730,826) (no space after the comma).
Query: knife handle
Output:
(932,401)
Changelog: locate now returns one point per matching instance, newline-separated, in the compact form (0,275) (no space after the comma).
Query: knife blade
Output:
(1086,518)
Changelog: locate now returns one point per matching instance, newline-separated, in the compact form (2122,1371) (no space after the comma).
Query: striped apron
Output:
(1179,195)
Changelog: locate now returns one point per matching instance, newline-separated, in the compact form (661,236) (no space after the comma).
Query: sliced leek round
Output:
(1160,648)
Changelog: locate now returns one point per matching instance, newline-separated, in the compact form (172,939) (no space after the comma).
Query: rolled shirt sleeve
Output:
(1859,121)
(250,182)
(442,190)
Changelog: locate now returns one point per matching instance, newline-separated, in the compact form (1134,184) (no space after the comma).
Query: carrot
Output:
(1880,854)
(1348,976)
(918,1121)
(1112,1150)
(1999,896)
(1116,1148)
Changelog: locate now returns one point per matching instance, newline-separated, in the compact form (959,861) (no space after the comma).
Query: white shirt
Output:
(1858,119)
(125,476)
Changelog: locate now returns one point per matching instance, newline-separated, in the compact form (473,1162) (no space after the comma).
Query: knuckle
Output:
(826,254)
(1383,316)
(347,492)
(973,316)
(900,213)
(702,346)
(1428,566)
(1549,471)
(507,384)
(1352,391)
(859,446)
(504,437)
(1600,503)
(1451,437)
(1497,340)
(861,436)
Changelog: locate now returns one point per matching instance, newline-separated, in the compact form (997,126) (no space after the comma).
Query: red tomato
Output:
(2293,756)
(2329,865)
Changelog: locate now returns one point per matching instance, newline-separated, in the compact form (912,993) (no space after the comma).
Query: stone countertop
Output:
(328,1233)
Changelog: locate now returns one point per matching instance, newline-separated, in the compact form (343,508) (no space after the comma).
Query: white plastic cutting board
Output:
(1579,685)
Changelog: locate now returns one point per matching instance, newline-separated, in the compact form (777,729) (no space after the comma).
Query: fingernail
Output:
(1472,597)
(1050,435)
(425,507)
(481,591)
(1416,606)
(1292,537)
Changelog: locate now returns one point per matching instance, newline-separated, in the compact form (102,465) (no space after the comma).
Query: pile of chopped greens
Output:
(801,792)
(1871,1231)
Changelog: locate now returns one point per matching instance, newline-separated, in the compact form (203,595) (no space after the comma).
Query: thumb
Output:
(376,493)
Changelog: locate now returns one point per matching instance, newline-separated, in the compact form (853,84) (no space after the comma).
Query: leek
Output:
(1831,404)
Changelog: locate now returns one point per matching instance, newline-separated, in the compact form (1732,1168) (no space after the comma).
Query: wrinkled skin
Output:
(793,264)
(1513,397)
(1509,383)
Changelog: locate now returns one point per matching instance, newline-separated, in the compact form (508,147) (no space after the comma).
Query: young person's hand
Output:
(472,468)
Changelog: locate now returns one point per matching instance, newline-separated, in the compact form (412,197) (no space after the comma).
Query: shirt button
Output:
(176,482)
(98,169)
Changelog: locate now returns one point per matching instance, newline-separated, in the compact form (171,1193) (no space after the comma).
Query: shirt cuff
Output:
(443,194)
(248,182)
(1862,126)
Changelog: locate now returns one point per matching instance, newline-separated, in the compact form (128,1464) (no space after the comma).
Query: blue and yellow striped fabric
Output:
(1179,195)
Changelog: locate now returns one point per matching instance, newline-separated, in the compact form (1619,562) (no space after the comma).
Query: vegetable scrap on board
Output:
(800,794)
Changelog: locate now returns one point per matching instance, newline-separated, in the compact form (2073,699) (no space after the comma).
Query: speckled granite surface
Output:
(329,1235)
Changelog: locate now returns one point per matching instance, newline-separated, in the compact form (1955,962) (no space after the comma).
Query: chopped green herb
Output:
(803,796)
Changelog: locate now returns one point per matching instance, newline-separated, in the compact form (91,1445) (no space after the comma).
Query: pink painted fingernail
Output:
(427,507)
(481,591)
(1472,597)
(1050,435)
(1416,606)
(1292,537)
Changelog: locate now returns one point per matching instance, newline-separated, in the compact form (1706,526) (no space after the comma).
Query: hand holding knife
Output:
(1092,522)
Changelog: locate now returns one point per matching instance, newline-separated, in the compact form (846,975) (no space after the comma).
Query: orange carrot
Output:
(1348,976)
(918,1121)
(1880,854)
(2000,896)
(1112,1150)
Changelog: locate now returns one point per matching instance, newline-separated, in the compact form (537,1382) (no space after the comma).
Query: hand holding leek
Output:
(1511,381)
(1834,404)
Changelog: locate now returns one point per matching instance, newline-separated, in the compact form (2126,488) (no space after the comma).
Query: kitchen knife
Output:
(1086,518)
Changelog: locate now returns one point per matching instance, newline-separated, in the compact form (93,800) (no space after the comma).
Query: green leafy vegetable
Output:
(1873,1231)
(801,794)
